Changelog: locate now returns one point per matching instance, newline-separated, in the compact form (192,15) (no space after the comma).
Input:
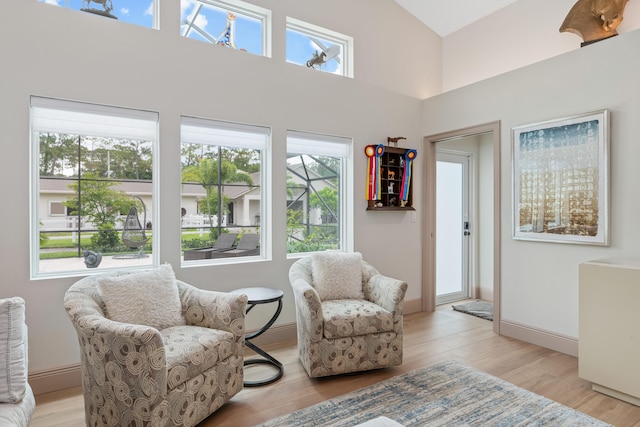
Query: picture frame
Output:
(561,180)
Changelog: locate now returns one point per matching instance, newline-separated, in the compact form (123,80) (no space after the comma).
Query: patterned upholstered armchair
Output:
(349,316)
(155,351)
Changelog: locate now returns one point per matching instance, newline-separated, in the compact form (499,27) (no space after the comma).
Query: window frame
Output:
(335,146)
(41,120)
(208,129)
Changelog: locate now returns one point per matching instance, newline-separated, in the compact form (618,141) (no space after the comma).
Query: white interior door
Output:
(453,227)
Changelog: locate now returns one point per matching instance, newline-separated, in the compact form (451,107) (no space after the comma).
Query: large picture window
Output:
(223,191)
(236,25)
(319,176)
(92,187)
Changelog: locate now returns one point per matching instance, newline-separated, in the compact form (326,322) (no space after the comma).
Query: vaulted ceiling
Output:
(447,16)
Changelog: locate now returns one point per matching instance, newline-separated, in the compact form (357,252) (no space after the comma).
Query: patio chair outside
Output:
(248,245)
(224,242)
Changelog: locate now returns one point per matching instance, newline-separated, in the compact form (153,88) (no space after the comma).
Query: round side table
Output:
(259,295)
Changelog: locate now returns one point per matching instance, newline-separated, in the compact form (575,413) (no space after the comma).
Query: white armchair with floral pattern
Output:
(349,316)
(174,369)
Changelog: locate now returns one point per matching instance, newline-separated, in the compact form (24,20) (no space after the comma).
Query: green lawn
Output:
(64,243)
(69,247)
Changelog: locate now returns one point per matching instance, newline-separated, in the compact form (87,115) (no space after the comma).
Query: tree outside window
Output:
(216,170)
(222,169)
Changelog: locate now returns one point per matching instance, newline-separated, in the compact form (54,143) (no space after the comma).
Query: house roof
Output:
(61,185)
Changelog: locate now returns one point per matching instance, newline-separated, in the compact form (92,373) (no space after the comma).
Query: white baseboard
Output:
(545,339)
(55,379)
(277,333)
(484,294)
(413,306)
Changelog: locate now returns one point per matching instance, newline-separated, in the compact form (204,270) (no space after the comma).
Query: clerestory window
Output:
(232,24)
(137,12)
(319,48)
(319,182)
(92,187)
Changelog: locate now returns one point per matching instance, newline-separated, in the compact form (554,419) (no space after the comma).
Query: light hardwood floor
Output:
(429,338)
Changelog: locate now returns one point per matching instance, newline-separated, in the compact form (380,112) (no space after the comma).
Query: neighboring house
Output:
(55,216)
(243,209)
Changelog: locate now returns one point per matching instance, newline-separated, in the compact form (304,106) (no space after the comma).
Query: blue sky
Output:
(139,12)
(213,21)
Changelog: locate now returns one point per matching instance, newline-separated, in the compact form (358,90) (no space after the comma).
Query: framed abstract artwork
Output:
(561,180)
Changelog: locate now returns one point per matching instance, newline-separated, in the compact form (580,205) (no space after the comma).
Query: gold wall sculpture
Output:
(594,20)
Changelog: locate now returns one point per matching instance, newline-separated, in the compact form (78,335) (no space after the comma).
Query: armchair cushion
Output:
(146,298)
(193,350)
(348,318)
(13,350)
(337,275)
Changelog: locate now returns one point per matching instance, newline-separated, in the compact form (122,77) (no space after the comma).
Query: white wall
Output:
(540,280)
(521,34)
(54,52)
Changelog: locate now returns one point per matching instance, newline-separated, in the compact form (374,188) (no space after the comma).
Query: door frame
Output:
(429,208)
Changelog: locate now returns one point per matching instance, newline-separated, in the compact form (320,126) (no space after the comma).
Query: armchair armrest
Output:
(103,340)
(387,292)
(213,309)
(308,309)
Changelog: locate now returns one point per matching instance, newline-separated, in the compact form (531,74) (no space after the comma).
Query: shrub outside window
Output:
(319,48)
(319,177)
(236,25)
(138,12)
(92,167)
(223,191)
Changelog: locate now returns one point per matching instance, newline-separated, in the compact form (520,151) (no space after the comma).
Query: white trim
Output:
(546,339)
(79,118)
(155,21)
(227,134)
(317,144)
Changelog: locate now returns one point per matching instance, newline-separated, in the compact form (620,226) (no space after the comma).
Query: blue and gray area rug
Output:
(445,394)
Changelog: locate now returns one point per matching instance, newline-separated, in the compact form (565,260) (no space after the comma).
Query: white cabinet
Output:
(609,322)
